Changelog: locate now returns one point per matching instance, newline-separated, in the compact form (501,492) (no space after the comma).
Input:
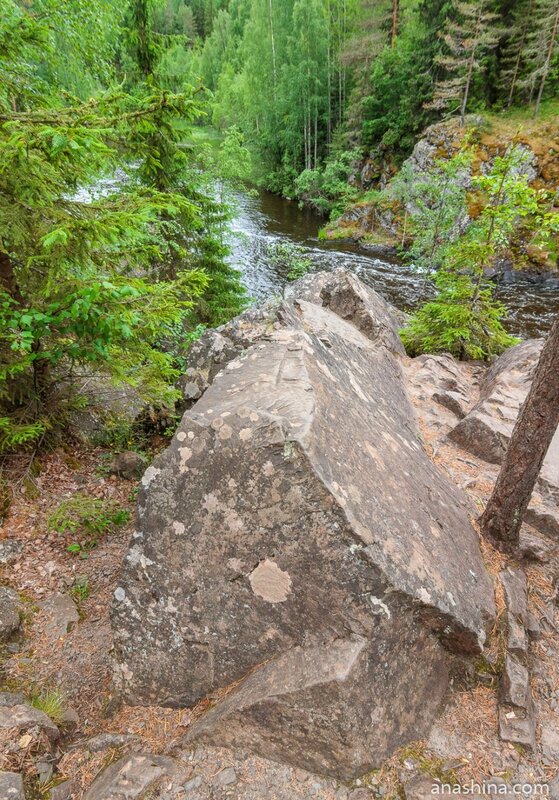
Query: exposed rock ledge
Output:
(297,547)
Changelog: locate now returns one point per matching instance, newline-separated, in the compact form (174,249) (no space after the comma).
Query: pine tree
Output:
(81,283)
(513,57)
(468,35)
(541,47)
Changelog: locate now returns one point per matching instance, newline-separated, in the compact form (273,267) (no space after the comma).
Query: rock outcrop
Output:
(486,430)
(297,548)
(516,711)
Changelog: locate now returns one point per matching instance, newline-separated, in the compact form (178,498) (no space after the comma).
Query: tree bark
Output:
(531,437)
(8,280)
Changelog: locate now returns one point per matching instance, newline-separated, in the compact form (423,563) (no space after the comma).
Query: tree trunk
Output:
(394,28)
(548,57)
(273,44)
(518,59)
(8,280)
(470,72)
(531,437)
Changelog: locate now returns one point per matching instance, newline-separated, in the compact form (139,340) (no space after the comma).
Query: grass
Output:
(50,702)
(549,111)
(80,589)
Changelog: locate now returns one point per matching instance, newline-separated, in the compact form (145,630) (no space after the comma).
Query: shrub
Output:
(88,518)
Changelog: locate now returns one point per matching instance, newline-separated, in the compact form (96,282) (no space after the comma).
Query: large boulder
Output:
(296,541)
(486,430)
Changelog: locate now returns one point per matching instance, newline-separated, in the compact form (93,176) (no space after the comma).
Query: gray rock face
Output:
(361,682)
(440,388)
(11,786)
(10,549)
(487,428)
(131,778)
(215,348)
(61,615)
(9,613)
(9,699)
(22,718)
(296,520)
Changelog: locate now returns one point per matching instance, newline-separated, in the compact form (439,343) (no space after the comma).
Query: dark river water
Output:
(264,218)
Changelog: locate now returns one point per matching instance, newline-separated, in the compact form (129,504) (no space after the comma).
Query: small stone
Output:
(226,777)
(514,587)
(534,548)
(533,626)
(104,741)
(61,615)
(9,613)
(63,791)
(515,684)
(23,718)
(544,519)
(193,783)
(517,729)
(131,778)
(419,788)
(70,720)
(10,549)
(128,465)
(517,641)
(11,786)
(44,771)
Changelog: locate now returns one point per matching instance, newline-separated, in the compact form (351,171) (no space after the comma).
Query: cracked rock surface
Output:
(296,540)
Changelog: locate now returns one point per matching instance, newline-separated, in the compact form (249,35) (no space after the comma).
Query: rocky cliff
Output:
(379,222)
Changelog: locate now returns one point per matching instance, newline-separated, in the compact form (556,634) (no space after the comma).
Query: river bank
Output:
(263,218)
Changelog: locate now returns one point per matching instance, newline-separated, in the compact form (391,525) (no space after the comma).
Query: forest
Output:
(286,95)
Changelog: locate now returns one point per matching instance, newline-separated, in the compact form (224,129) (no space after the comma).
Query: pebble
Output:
(226,777)
(193,783)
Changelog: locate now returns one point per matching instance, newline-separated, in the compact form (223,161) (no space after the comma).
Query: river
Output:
(262,219)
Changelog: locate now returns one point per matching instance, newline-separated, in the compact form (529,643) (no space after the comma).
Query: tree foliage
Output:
(464,318)
(95,280)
